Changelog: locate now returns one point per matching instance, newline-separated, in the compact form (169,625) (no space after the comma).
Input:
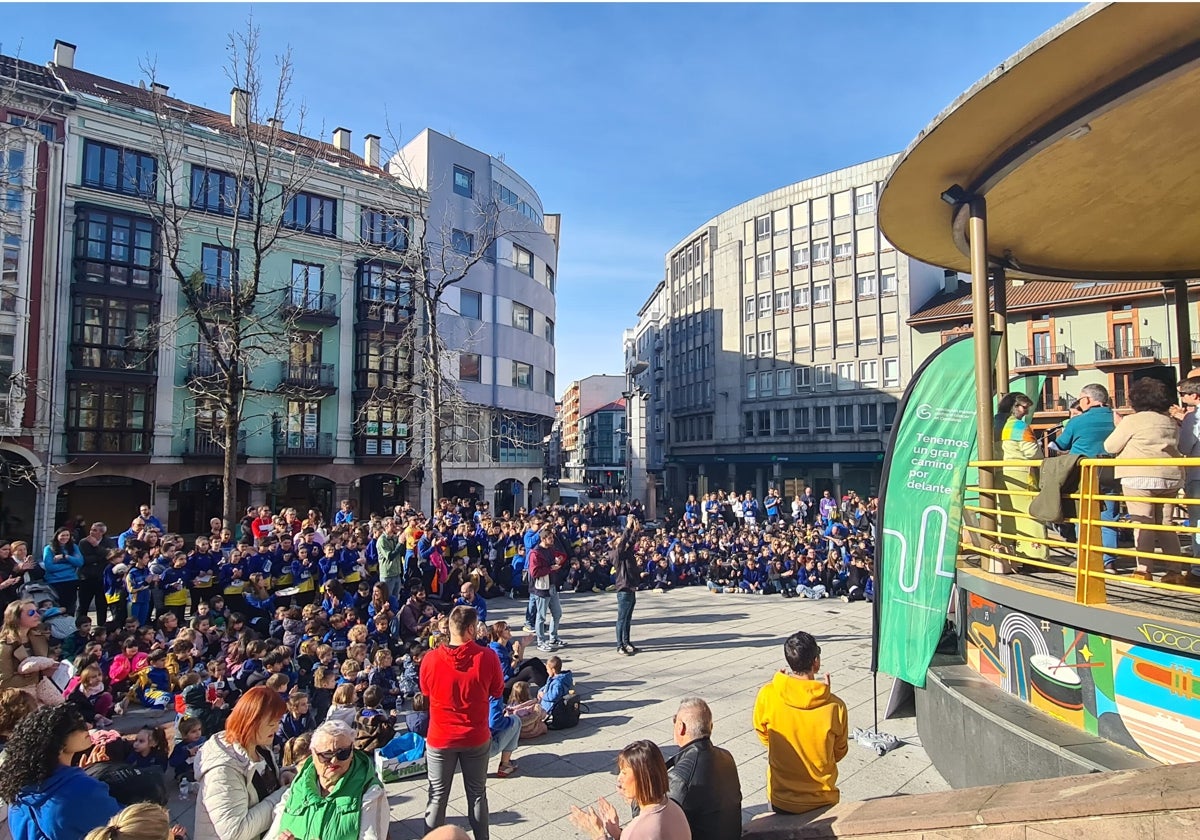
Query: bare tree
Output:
(251,170)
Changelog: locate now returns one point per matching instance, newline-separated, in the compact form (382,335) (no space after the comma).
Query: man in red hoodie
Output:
(460,679)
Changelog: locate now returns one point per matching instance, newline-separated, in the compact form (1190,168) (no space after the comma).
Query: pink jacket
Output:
(123,667)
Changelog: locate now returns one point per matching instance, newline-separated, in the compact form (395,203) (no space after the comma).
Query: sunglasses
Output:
(340,755)
(31,613)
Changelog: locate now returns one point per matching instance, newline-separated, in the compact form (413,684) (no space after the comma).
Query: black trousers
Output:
(89,591)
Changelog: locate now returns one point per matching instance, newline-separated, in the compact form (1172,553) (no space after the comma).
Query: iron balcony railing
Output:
(1059,357)
(1111,351)
(306,375)
(311,303)
(209,443)
(307,446)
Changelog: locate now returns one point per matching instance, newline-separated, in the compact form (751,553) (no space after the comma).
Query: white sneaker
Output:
(546,647)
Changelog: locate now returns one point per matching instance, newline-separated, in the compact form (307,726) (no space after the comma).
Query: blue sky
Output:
(636,122)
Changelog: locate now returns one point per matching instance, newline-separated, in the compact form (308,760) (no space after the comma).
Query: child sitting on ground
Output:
(528,711)
(560,682)
(298,719)
(418,719)
(297,749)
(344,707)
(149,748)
(374,727)
(191,738)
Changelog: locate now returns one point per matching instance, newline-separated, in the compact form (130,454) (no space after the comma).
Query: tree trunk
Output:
(433,378)
(233,422)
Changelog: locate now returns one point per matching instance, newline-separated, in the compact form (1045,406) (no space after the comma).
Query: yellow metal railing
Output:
(1010,498)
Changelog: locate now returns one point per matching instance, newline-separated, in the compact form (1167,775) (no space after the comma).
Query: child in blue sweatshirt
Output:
(558,685)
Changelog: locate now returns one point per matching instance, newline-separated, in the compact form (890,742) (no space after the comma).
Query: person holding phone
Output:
(625,565)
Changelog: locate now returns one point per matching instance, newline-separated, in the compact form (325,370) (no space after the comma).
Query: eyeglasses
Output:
(340,755)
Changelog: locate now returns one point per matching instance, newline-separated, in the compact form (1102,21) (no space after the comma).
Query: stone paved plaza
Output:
(720,647)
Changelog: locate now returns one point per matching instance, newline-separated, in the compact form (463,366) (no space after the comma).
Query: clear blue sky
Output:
(636,122)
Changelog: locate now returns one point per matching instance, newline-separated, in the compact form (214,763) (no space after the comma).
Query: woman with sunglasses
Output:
(240,782)
(22,636)
(336,794)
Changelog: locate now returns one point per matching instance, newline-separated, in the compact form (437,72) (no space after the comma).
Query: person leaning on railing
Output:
(1148,433)
(1017,443)
(1188,416)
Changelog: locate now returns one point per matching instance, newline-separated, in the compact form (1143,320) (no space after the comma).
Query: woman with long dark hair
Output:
(62,561)
(49,796)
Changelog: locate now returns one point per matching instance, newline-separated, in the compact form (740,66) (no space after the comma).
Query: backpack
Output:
(566,712)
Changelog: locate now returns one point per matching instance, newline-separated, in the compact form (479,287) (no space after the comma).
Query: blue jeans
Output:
(442,763)
(531,610)
(549,611)
(1109,511)
(625,602)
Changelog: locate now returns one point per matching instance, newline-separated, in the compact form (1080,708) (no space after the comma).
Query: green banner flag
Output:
(921,510)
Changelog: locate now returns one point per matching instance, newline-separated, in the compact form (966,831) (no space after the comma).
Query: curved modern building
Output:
(784,348)
(497,322)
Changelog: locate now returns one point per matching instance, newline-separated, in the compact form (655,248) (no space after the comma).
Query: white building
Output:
(498,322)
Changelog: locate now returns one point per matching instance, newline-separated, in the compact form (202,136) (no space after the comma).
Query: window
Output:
(822,294)
(868,372)
(800,297)
(522,260)
(110,333)
(783,382)
(843,251)
(302,433)
(766,383)
(119,170)
(764,423)
(891,373)
(109,417)
(115,248)
(800,257)
(821,415)
(47,129)
(462,242)
(387,230)
(803,378)
(820,253)
(748,424)
(380,282)
(783,300)
(549,278)
(464,182)
(865,285)
(550,382)
(550,331)
(219,265)
(845,418)
(383,361)
(219,192)
(752,386)
(864,202)
(764,304)
(383,429)
(522,376)
(845,376)
(751,345)
(868,417)
(889,415)
(307,282)
(824,376)
(762,227)
(522,317)
(766,342)
(310,213)
(800,415)
(781,421)
(750,312)
(762,266)
(887,283)
(470,304)
(470,367)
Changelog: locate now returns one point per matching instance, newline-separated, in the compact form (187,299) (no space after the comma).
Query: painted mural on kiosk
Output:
(1142,696)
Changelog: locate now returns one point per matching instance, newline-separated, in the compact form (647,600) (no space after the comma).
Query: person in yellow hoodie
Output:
(805,728)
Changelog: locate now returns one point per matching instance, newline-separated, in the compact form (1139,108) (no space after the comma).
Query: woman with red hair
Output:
(240,783)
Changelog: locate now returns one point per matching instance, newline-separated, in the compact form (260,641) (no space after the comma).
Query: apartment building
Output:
(327,413)
(1073,334)
(603,434)
(644,347)
(497,321)
(581,398)
(785,348)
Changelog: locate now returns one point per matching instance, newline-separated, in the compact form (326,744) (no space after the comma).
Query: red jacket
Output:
(541,561)
(460,683)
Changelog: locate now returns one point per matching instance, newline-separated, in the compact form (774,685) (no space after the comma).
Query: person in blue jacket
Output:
(51,800)
(62,560)
(558,685)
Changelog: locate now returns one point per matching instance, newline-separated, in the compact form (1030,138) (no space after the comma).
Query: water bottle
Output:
(184,788)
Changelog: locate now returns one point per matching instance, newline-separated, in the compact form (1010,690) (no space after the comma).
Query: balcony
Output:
(307,446)
(319,307)
(1116,353)
(218,295)
(1045,359)
(1061,403)
(659,374)
(208,443)
(201,364)
(306,376)
(124,445)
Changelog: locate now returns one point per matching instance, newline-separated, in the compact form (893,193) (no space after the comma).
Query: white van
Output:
(570,496)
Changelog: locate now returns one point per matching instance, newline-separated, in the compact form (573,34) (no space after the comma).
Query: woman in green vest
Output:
(336,794)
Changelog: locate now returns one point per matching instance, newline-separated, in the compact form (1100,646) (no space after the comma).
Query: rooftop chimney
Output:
(159,88)
(341,139)
(275,123)
(239,107)
(64,54)
(371,150)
